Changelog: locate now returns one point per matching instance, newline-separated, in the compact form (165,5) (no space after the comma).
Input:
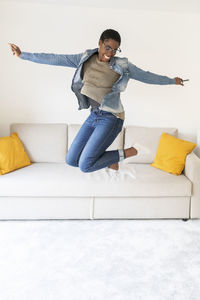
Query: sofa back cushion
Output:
(43,142)
(117,144)
(148,138)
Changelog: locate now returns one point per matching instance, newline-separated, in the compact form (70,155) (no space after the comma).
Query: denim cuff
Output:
(121,154)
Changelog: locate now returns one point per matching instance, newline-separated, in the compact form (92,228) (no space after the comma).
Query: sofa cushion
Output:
(74,128)
(148,138)
(62,180)
(43,142)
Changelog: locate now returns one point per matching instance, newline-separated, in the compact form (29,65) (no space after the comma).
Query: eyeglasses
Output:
(108,48)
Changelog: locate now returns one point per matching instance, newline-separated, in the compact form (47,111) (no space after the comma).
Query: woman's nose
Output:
(109,53)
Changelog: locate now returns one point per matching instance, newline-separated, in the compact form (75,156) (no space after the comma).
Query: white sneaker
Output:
(125,171)
(141,150)
(114,169)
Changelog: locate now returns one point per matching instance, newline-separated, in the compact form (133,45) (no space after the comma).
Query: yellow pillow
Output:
(12,154)
(171,154)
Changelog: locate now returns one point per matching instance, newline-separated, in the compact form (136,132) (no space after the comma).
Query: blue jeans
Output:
(88,149)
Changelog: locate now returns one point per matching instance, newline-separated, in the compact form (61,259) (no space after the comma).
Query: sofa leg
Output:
(185,220)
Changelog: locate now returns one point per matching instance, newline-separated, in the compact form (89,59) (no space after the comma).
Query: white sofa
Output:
(51,189)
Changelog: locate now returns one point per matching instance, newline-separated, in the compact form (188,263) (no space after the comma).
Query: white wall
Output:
(164,43)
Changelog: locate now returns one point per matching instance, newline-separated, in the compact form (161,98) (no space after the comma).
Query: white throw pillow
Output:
(148,138)
(43,142)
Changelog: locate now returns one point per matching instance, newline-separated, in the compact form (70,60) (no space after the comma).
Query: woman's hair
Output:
(110,34)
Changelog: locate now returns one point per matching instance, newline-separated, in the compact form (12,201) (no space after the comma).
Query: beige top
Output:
(98,80)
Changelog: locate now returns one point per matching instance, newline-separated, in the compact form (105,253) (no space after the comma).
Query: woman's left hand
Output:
(179,81)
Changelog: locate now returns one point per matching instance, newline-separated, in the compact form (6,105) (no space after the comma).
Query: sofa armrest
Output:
(192,172)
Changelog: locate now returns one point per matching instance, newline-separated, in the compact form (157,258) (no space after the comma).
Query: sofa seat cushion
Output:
(62,180)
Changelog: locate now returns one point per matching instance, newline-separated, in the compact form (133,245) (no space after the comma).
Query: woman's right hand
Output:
(15,49)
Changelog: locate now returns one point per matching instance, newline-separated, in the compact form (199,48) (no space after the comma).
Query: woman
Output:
(99,79)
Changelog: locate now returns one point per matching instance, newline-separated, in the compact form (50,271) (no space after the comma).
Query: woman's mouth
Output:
(106,57)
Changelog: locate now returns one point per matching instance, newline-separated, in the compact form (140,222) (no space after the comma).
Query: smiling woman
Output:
(97,83)
(109,43)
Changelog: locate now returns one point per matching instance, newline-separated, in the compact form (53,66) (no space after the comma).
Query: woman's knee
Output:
(84,166)
(71,161)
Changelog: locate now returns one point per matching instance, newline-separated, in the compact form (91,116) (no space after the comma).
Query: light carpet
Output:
(100,260)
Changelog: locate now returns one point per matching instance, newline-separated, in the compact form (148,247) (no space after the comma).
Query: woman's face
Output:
(107,49)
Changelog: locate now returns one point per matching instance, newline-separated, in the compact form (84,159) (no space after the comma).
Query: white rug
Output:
(100,260)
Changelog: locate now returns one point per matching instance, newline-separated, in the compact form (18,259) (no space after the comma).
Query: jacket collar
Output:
(112,63)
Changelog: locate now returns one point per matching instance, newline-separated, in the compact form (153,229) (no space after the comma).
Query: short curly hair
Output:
(110,34)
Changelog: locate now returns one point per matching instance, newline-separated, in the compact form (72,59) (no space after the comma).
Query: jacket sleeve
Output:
(71,60)
(148,77)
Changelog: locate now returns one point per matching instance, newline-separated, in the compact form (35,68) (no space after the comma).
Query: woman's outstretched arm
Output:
(66,60)
(151,78)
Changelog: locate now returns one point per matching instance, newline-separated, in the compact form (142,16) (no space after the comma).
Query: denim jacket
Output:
(112,100)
